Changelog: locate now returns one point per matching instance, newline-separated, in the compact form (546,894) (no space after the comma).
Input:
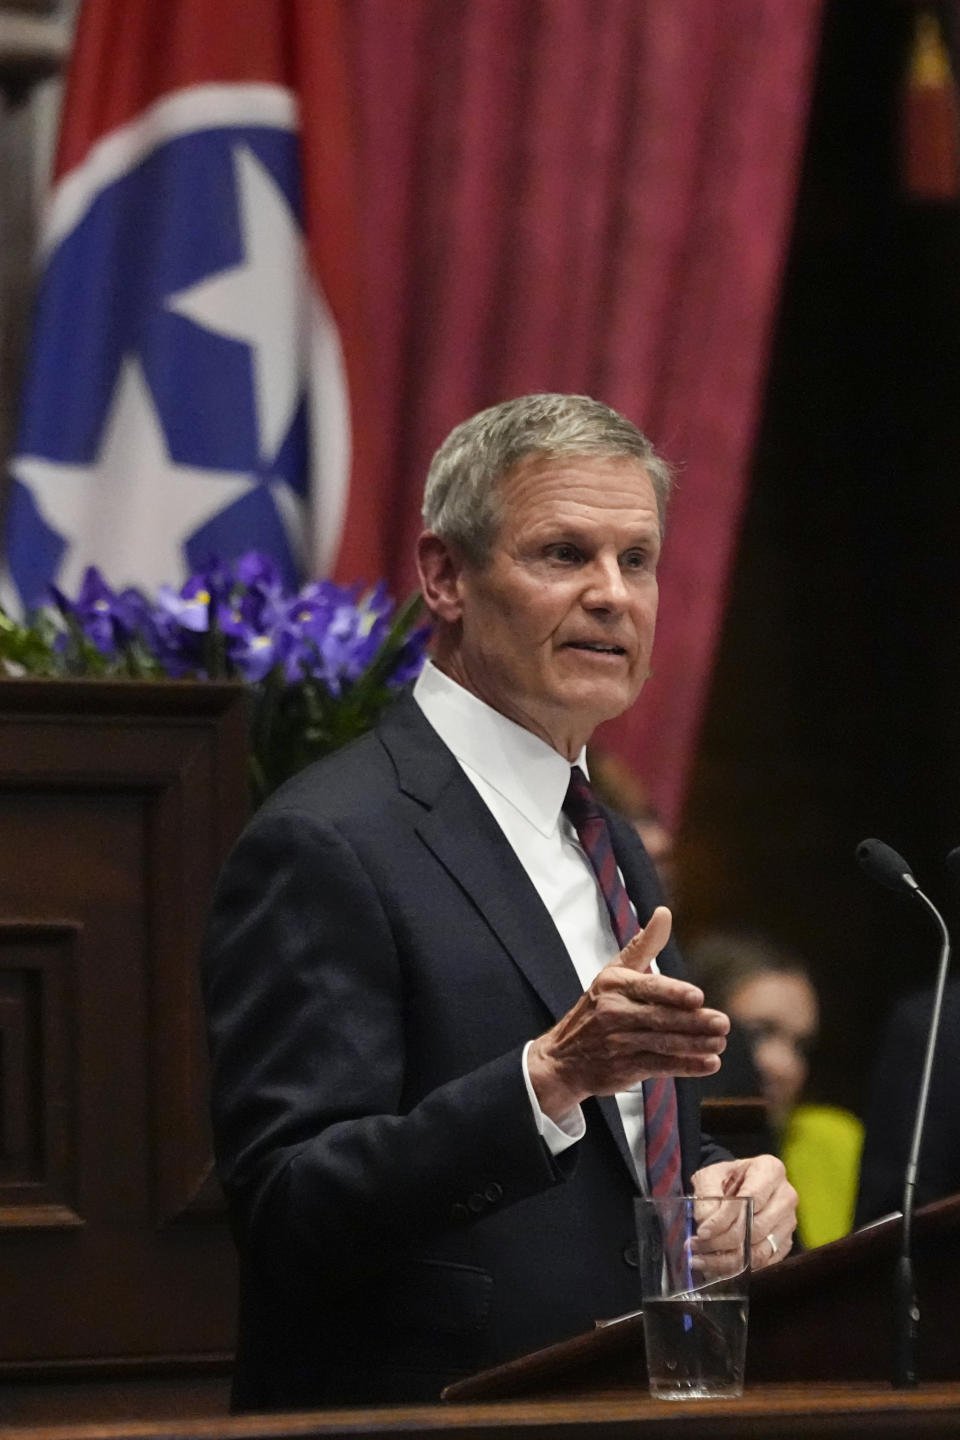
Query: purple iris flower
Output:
(190,607)
(332,637)
(134,610)
(179,652)
(215,577)
(108,620)
(304,625)
(257,570)
(181,619)
(410,658)
(254,655)
(255,606)
(238,619)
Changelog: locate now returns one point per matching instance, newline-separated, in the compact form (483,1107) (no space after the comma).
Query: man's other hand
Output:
(774,1202)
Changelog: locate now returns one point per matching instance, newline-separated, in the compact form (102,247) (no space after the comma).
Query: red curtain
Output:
(590,196)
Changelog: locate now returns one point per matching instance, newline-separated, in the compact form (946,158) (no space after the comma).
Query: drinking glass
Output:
(694,1274)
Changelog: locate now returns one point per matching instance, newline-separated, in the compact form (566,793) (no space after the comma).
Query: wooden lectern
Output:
(821,1316)
(118,802)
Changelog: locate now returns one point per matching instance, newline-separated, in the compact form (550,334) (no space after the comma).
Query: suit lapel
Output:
(463,835)
(461,832)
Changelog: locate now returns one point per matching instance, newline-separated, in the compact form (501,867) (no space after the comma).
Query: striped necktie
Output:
(661,1136)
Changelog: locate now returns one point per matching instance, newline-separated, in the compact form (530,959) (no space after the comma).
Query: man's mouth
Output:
(596,647)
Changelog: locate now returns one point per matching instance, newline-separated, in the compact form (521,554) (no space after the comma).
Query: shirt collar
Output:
(527,772)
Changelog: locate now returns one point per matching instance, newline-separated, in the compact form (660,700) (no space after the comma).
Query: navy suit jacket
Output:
(892,1107)
(376,958)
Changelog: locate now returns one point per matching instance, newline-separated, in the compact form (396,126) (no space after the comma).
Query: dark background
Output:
(833,713)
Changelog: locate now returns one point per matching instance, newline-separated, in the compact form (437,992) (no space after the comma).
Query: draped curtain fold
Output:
(590,196)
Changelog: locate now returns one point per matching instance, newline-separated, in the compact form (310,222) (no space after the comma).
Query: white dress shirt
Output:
(523,781)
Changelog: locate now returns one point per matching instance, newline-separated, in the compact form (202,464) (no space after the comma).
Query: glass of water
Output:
(694,1273)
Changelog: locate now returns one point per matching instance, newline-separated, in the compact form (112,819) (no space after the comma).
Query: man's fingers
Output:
(671,1042)
(709,1265)
(643,1065)
(764,1177)
(644,988)
(719,1226)
(629,1024)
(774,1204)
(634,1002)
(681,1067)
(648,942)
(620,1027)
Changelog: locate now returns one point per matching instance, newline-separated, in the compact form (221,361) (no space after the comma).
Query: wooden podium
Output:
(821,1316)
(118,802)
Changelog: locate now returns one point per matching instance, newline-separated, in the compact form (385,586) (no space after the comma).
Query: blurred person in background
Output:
(892,1104)
(771,1000)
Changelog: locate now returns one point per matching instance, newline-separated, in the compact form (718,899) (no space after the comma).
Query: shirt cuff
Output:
(557,1135)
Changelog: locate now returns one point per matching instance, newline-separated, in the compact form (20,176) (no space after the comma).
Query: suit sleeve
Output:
(304,988)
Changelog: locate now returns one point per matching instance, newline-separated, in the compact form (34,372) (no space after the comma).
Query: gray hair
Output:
(461,501)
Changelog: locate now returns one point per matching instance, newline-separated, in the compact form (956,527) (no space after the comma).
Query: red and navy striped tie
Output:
(661,1136)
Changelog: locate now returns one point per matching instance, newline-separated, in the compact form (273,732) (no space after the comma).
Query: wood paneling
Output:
(38,1075)
(117,804)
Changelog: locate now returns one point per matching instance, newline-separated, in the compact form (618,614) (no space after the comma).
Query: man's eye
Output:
(566,554)
(634,560)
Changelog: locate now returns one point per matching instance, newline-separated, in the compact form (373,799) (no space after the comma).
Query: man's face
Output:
(556,629)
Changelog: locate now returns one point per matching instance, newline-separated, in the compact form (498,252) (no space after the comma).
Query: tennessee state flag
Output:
(196,379)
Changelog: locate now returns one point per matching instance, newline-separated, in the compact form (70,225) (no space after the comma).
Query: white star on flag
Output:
(264,301)
(140,504)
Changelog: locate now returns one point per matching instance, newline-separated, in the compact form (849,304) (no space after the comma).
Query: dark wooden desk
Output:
(766,1412)
(118,802)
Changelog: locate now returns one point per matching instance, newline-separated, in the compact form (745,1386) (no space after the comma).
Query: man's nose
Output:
(606,588)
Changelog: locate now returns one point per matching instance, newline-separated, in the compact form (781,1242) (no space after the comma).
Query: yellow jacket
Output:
(820,1149)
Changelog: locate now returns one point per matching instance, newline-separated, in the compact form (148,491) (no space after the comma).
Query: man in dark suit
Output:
(434,1061)
(892,1107)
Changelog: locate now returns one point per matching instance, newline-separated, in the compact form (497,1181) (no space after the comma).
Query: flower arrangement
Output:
(320,664)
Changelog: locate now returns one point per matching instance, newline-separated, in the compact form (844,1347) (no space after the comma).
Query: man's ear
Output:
(440,568)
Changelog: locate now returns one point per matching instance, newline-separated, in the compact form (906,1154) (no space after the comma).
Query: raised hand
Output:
(628,1025)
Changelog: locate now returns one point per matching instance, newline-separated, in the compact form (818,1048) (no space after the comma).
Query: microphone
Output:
(885,866)
(952,863)
(890,869)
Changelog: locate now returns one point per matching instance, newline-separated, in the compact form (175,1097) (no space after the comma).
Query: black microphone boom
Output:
(890,869)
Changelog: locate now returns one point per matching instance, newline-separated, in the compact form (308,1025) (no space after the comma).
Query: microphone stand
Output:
(906,1309)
